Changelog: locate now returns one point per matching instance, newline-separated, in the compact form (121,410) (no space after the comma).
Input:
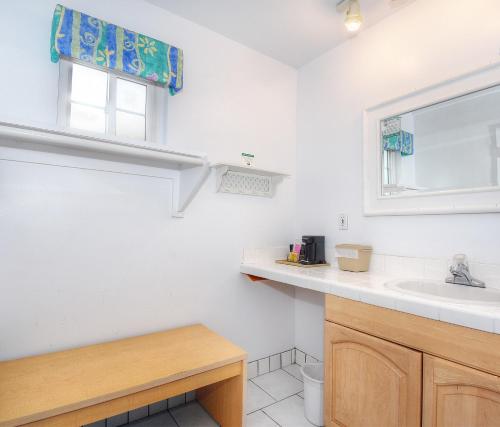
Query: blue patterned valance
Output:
(79,36)
(395,138)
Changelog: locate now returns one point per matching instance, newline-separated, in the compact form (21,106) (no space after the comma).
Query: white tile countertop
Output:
(370,288)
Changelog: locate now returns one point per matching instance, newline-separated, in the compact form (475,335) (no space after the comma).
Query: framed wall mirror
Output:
(437,150)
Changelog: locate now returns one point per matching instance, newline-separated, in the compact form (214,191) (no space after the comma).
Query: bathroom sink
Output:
(448,292)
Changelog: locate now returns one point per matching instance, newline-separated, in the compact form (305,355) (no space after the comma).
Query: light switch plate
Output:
(343,222)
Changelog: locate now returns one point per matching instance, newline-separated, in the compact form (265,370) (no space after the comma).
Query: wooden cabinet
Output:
(379,371)
(369,381)
(457,396)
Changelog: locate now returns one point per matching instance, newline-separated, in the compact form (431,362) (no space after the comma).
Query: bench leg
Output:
(225,400)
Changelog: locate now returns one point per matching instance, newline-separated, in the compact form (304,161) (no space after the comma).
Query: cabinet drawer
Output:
(477,349)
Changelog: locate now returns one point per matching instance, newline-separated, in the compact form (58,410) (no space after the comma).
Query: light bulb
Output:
(353,18)
(353,24)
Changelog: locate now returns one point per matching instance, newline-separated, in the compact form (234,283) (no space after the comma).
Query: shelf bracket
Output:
(187,186)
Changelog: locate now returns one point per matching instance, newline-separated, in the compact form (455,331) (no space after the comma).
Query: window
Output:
(389,169)
(102,102)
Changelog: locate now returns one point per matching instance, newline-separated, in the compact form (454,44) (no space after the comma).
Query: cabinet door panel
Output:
(457,396)
(369,381)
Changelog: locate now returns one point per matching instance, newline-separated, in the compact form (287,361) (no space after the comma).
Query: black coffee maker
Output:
(313,248)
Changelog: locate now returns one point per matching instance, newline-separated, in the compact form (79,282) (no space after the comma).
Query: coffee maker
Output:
(313,250)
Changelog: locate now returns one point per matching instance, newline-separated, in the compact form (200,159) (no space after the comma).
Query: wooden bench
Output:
(80,386)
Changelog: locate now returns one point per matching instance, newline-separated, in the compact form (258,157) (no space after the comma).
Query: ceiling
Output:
(291,31)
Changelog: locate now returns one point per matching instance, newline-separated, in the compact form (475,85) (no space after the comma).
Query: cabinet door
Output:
(369,381)
(457,396)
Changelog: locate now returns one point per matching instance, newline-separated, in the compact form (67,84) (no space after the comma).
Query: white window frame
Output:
(156,104)
(389,165)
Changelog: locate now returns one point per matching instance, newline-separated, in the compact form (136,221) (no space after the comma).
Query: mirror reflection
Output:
(451,145)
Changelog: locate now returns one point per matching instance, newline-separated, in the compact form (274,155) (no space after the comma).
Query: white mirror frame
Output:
(477,200)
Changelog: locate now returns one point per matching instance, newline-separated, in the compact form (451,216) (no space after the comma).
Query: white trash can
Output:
(313,392)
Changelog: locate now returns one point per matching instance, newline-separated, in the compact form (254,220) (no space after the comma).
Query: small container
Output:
(354,257)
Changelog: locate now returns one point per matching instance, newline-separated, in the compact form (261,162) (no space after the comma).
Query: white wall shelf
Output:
(191,170)
(246,180)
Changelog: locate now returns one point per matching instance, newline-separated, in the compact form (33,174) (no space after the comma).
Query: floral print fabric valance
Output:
(82,37)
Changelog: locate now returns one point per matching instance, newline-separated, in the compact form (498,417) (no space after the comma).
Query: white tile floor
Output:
(277,399)
(279,384)
(274,399)
(294,370)
(189,415)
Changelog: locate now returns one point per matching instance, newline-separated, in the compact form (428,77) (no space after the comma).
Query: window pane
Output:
(130,96)
(89,86)
(130,125)
(88,118)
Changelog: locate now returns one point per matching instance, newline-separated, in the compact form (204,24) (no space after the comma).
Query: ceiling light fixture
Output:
(353,18)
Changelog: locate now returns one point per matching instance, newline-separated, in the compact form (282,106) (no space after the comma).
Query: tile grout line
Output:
(292,351)
(258,386)
(271,418)
(293,376)
(172,416)
(265,413)
(275,354)
(298,394)
(275,401)
(271,404)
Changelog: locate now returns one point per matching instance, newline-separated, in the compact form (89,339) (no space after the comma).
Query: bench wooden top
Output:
(55,383)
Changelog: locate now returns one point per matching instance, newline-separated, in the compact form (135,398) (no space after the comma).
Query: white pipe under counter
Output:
(371,288)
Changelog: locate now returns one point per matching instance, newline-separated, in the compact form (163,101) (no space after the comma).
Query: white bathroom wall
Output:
(89,255)
(309,317)
(424,43)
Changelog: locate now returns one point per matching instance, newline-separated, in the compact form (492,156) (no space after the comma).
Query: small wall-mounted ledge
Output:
(246,180)
(193,169)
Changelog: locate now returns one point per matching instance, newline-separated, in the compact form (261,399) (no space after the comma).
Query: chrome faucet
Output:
(460,274)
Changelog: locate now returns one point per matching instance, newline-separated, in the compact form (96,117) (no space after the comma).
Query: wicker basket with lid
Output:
(354,257)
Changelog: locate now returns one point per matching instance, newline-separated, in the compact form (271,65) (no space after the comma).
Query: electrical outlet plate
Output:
(343,222)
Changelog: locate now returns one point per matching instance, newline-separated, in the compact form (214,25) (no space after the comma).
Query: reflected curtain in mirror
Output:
(450,145)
